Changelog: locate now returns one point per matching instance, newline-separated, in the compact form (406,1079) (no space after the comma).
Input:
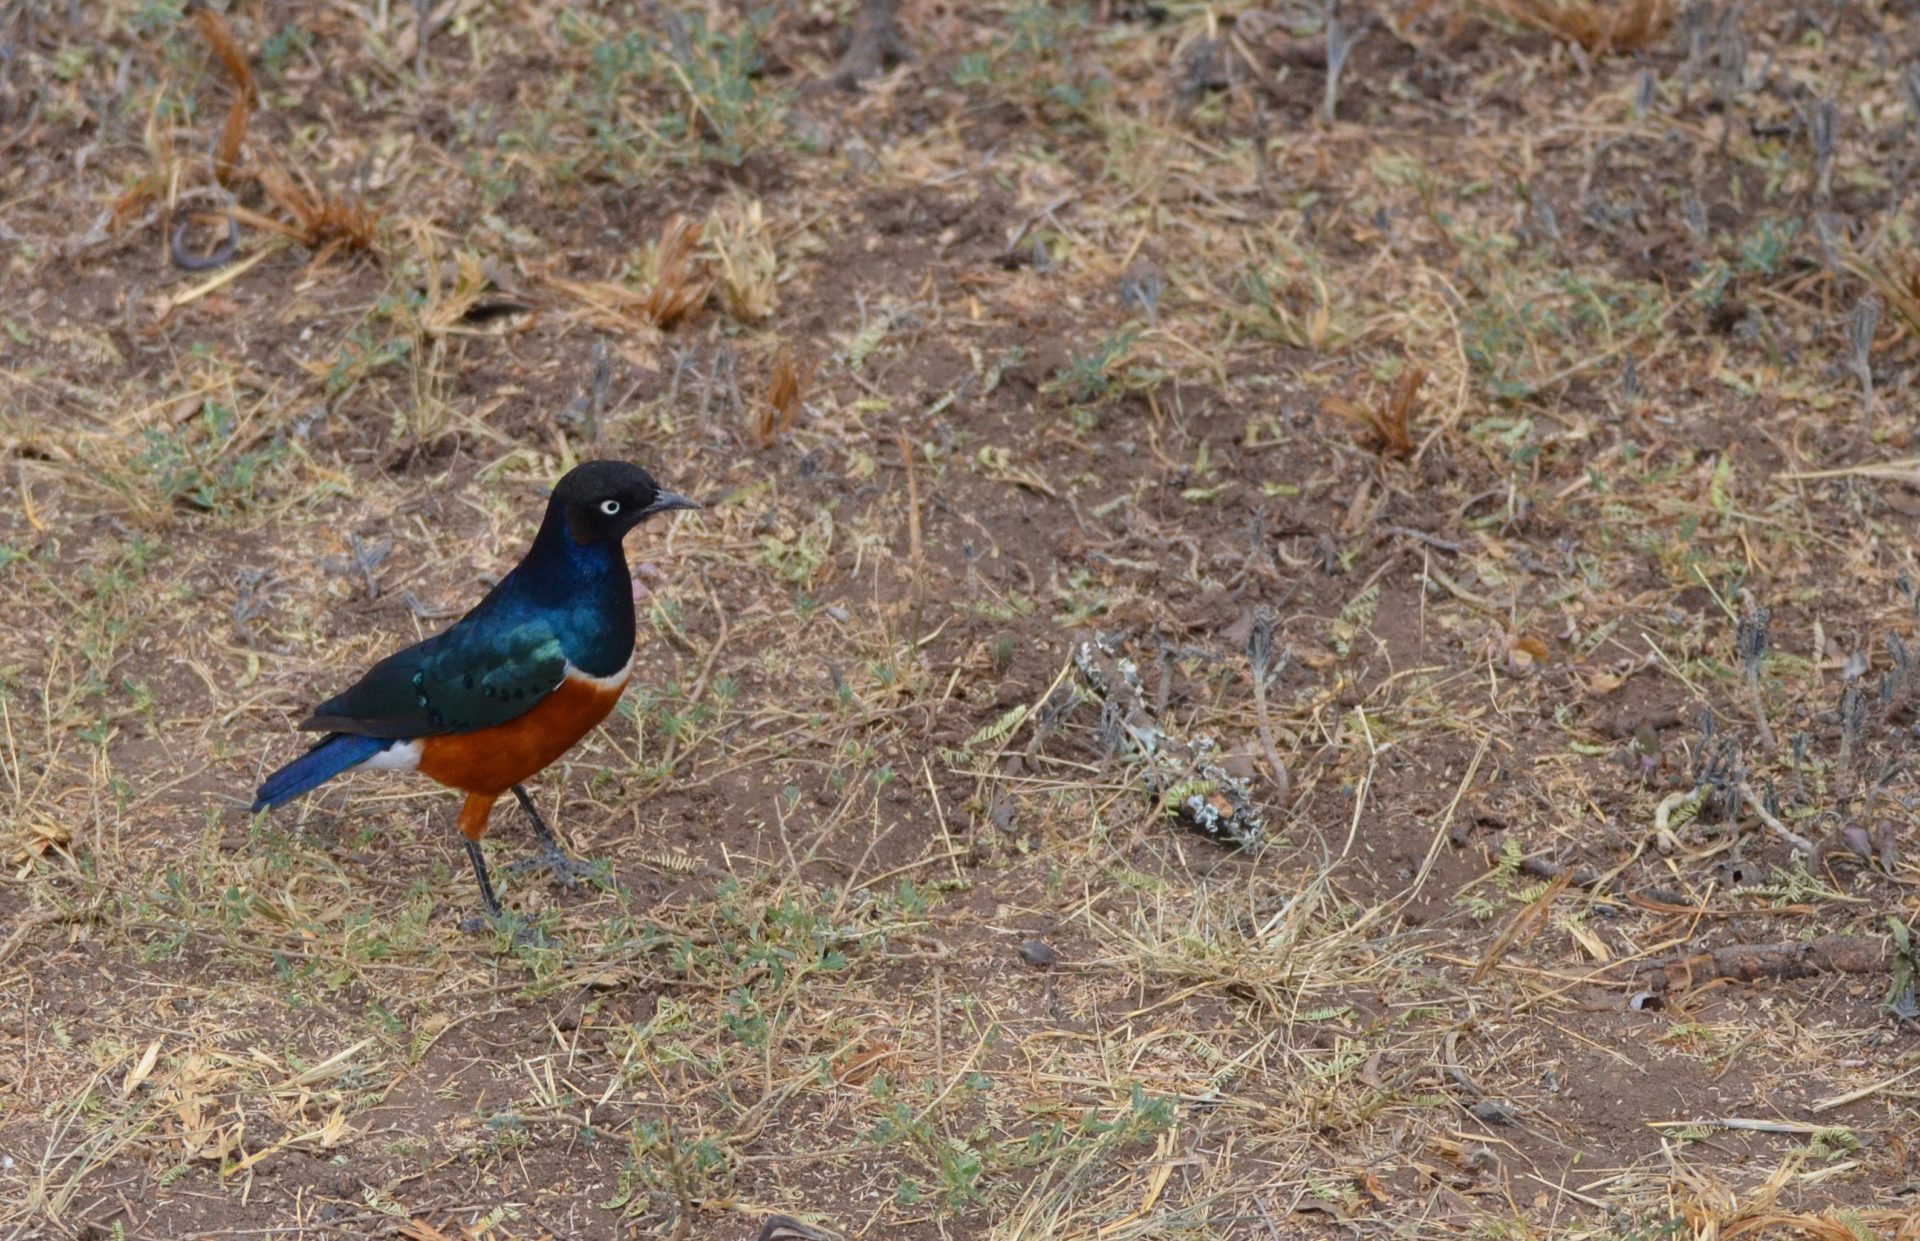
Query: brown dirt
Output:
(798,986)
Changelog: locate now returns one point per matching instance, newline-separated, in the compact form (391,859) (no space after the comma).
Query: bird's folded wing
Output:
(469,678)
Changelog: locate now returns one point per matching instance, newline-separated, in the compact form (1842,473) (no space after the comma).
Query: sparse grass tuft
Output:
(1387,422)
(1296,302)
(323,221)
(1445,840)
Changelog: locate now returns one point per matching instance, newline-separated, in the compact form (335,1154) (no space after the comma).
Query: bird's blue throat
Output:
(583,590)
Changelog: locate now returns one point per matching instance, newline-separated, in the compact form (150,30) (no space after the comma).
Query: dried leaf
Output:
(142,1069)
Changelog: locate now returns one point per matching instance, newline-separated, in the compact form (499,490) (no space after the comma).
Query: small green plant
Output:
(664,1167)
(1528,326)
(1294,301)
(280,49)
(1768,247)
(202,462)
(156,16)
(1033,61)
(1901,1001)
(361,355)
(1091,376)
(710,75)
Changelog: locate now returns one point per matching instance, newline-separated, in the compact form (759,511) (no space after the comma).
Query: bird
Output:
(484,705)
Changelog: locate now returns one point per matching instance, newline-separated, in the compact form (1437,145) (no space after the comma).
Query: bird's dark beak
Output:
(667,501)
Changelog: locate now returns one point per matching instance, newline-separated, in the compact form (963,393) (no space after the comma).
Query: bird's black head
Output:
(604,499)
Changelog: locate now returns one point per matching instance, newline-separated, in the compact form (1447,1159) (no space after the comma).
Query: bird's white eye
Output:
(610,507)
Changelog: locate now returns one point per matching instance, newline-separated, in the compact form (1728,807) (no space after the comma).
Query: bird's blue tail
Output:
(333,755)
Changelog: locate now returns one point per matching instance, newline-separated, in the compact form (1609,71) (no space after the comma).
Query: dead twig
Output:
(1800,843)
(1829,954)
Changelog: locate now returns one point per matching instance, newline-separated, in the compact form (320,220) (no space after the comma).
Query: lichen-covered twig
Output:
(1862,323)
(1853,717)
(1182,774)
(1259,658)
(1823,124)
(1340,42)
(1752,641)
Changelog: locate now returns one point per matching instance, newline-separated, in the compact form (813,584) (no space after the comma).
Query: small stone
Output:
(1039,954)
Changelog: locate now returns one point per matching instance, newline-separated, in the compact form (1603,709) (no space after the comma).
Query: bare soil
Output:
(1595,700)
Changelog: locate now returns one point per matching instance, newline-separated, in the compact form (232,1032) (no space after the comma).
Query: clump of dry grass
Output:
(233,132)
(1280,958)
(743,252)
(1385,425)
(1599,26)
(323,221)
(1895,278)
(777,411)
(673,278)
(675,281)
(449,302)
(667,285)
(1291,297)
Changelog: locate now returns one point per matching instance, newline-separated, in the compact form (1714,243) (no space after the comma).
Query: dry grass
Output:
(219,36)
(1599,26)
(668,284)
(1081,320)
(777,412)
(744,257)
(1387,423)
(322,221)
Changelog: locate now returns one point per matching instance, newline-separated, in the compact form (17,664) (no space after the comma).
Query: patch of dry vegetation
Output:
(1483,464)
(1599,26)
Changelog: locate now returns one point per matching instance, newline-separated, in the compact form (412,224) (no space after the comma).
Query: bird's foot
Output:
(566,871)
(519,932)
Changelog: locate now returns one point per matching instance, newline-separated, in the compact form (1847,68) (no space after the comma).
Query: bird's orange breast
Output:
(493,760)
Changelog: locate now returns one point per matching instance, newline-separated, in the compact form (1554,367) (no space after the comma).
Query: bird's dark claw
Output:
(566,871)
(510,925)
(550,857)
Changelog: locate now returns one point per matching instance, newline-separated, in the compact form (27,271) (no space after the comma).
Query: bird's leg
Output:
(550,856)
(540,827)
(474,814)
(473,825)
(487,898)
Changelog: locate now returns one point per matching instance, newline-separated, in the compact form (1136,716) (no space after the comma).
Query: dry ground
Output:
(1516,369)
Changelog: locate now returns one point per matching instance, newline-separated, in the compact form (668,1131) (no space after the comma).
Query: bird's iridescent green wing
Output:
(474,676)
